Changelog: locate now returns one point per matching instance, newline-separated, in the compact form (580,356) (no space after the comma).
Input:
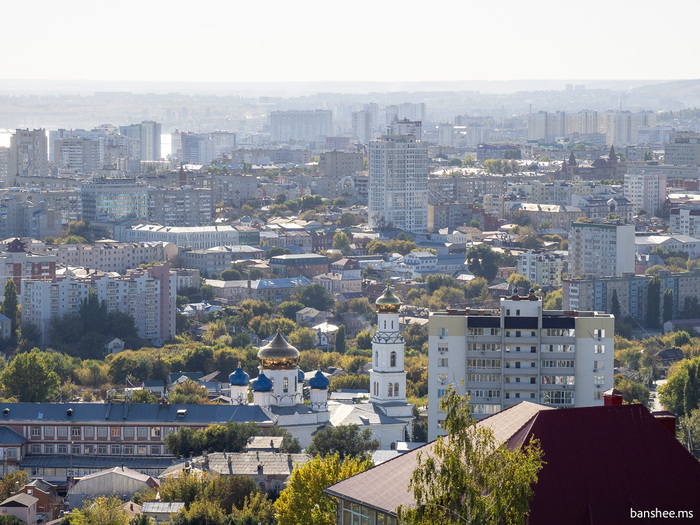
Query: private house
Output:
(22,506)
(116,480)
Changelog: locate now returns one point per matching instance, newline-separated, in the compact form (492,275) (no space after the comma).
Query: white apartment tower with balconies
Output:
(519,352)
(398,183)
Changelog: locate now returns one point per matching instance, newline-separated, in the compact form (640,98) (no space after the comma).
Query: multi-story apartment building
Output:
(29,155)
(18,264)
(273,291)
(234,190)
(4,165)
(114,200)
(307,125)
(362,125)
(600,249)
(180,206)
(398,183)
(544,269)
(304,264)
(631,291)
(340,163)
(111,256)
(147,295)
(78,156)
(143,140)
(685,220)
(683,149)
(557,216)
(197,148)
(519,352)
(196,237)
(646,191)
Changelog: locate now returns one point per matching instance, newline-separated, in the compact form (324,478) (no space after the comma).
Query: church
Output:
(278,389)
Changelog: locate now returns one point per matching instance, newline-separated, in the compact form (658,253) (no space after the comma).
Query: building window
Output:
(62,431)
(442,362)
(89,449)
(36,448)
(128,450)
(155,450)
(128,432)
(599,334)
(102,449)
(599,364)
(396,390)
(442,332)
(142,450)
(75,449)
(285,385)
(392,359)
(48,431)
(599,349)
(89,431)
(36,431)
(390,390)
(598,380)
(63,449)
(102,432)
(116,450)
(115,432)
(48,449)
(142,432)
(75,432)
(155,431)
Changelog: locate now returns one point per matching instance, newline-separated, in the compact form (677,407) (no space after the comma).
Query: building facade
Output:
(544,269)
(599,249)
(398,183)
(518,353)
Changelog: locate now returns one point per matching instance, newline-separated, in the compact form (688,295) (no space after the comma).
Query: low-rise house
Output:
(161,511)
(49,503)
(117,480)
(22,506)
(325,335)
(115,346)
(269,470)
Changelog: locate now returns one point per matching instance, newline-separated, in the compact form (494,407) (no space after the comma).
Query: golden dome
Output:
(388,302)
(278,354)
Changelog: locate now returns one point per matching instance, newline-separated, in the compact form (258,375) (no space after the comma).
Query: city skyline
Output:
(381,42)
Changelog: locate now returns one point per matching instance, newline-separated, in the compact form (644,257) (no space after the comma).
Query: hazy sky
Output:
(378,40)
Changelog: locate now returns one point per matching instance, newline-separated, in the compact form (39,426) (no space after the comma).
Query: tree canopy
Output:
(468,477)
(30,378)
(344,440)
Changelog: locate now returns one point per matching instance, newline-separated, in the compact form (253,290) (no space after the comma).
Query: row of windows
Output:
(484,393)
(128,450)
(483,347)
(102,431)
(557,363)
(392,389)
(483,363)
(484,331)
(558,380)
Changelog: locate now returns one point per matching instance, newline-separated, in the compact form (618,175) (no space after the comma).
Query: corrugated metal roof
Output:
(132,413)
(11,437)
(161,507)
(600,462)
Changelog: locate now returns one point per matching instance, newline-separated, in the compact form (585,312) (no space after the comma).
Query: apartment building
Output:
(180,206)
(112,256)
(683,149)
(601,248)
(147,295)
(519,352)
(398,183)
(631,291)
(305,125)
(196,237)
(685,220)
(646,191)
(542,268)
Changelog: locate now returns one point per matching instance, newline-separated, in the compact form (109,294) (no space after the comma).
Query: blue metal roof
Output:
(132,413)
(11,437)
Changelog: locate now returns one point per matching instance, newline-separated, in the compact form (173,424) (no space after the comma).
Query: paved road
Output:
(655,405)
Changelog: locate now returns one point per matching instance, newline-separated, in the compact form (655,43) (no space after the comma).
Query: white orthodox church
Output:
(278,389)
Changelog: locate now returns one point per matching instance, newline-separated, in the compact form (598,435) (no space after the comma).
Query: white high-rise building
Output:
(646,191)
(144,140)
(600,249)
(29,155)
(518,353)
(398,183)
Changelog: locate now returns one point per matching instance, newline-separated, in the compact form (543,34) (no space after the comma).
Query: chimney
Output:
(612,397)
(667,420)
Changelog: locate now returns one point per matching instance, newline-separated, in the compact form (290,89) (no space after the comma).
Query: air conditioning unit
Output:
(595,369)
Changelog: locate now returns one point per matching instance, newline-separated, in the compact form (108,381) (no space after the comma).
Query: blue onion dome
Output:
(278,354)
(262,384)
(300,376)
(239,377)
(319,381)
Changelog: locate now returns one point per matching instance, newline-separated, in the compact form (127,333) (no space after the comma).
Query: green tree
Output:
(553,301)
(632,392)
(348,219)
(673,394)
(186,487)
(653,307)
(29,378)
(314,296)
(689,432)
(668,305)
(11,481)
(469,161)
(341,242)
(482,261)
(344,440)
(9,303)
(468,477)
(364,339)
(93,313)
(303,500)
(289,309)
(438,280)
(375,247)
(520,281)
(340,339)
(103,510)
(143,396)
(303,339)
(189,393)
(277,250)
(615,307)
(231,275)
